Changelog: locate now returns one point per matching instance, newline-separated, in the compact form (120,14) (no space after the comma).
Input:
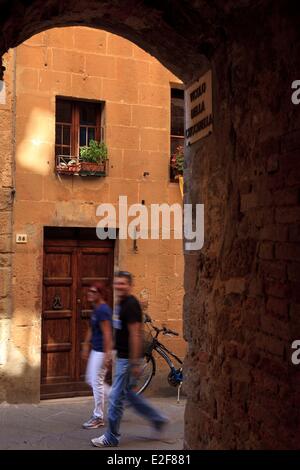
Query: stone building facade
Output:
(42,299)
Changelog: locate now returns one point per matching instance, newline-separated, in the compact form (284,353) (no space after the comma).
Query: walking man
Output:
(127,323)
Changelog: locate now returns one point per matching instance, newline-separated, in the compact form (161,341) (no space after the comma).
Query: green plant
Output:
(96,152)
(177,160)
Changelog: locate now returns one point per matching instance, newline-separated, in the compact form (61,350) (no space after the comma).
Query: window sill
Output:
(80,173)
(80,168)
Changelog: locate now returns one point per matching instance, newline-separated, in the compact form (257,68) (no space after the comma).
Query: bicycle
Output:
(175,376)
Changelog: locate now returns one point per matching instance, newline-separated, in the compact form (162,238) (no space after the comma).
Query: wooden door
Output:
(70,266)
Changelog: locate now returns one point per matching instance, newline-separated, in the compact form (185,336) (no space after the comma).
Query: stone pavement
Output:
(56,424)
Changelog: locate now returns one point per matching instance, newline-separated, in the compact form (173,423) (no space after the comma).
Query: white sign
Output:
(198,109)
(2,92)
(21,238)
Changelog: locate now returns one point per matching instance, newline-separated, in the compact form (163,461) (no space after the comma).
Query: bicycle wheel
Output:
(148,370)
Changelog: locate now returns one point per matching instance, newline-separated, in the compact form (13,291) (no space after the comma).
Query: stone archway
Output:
(242,289)
(140,22)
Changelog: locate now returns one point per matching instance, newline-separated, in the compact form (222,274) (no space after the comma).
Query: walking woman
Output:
(99,342)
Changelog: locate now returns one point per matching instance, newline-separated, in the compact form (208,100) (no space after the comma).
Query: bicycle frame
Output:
(165,352)
(175,376)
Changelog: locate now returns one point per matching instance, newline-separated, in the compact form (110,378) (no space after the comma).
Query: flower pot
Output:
(74,168)
(67,166)
(93,167)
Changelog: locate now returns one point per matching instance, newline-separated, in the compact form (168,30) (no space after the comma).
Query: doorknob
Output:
(78,301)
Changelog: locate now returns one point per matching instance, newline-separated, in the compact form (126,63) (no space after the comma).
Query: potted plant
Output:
(74,166)
(93,158)
(177,162)
(177,166)
(67,165)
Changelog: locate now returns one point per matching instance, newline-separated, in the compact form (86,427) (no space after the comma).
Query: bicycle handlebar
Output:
(163,330)
(167,331)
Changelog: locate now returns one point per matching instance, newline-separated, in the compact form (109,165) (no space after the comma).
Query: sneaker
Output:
(158,430)
(93,423)
(102,442)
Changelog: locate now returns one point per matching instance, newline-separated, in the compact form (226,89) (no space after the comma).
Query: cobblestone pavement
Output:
(56,424)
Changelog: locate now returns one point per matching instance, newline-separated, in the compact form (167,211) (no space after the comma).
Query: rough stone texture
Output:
(6,198)
(243,389)
(142,22)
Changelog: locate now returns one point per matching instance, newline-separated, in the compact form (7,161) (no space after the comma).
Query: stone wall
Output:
(242,290)
(6,199)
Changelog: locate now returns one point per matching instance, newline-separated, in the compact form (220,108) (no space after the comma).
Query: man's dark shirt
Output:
(127,311)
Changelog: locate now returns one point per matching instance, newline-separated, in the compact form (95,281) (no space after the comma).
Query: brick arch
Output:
(167,30)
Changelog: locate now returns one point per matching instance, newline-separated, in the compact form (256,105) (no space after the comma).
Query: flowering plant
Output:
(177,161)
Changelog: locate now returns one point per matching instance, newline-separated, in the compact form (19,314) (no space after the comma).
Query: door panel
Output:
(70,265)
(57,319)
(58,264)
(94,264)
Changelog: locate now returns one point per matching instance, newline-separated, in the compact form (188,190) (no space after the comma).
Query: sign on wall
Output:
(198,109)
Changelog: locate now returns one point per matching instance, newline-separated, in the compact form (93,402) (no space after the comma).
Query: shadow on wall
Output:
(23,388)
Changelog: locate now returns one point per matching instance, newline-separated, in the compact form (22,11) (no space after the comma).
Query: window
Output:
(77,122)
(177,125)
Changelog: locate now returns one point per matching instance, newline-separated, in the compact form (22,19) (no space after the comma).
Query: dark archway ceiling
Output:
(181,34)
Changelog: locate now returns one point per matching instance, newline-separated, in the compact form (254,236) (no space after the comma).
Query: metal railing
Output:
(67,164)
